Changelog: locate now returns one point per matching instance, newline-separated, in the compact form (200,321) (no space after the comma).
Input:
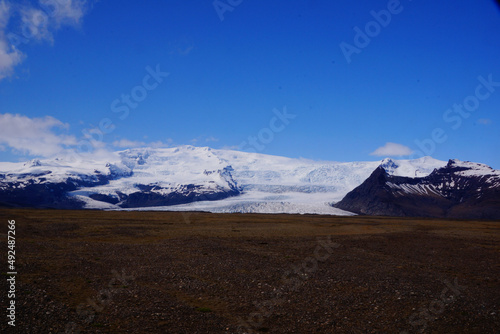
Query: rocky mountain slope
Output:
(457,190)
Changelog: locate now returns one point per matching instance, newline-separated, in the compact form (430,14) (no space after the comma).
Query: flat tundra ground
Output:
(172,272)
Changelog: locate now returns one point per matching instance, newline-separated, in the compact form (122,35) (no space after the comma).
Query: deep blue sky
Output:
(227,76)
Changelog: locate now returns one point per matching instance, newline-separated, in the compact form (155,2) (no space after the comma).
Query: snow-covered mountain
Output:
(461,189)
(194,178)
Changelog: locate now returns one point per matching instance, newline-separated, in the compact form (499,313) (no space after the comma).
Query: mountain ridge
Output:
(194,178)
(460,189)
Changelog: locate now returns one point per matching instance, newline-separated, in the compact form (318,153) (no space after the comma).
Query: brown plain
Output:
(224,273)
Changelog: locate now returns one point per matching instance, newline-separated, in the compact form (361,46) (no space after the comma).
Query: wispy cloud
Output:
(48,137)
(392,149)
(484,121)
(34,136)
(183,52)
(181,47)
(230,147)
(211,139)
(161,144)
(201,139)
(67,12)
(125,143)
(37,23)
(9,55)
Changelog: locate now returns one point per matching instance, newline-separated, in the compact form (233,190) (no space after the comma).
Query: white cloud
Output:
(65,12)
(37,23)
(34,136)
(4,13)
(392,149)
(484,121)
(9,55)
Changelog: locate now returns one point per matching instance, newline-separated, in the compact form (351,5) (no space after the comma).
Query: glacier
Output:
(214,180)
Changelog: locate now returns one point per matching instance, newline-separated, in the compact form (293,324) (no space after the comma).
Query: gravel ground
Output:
(129,272)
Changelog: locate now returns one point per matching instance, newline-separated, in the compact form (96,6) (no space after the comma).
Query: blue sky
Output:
(324,80)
